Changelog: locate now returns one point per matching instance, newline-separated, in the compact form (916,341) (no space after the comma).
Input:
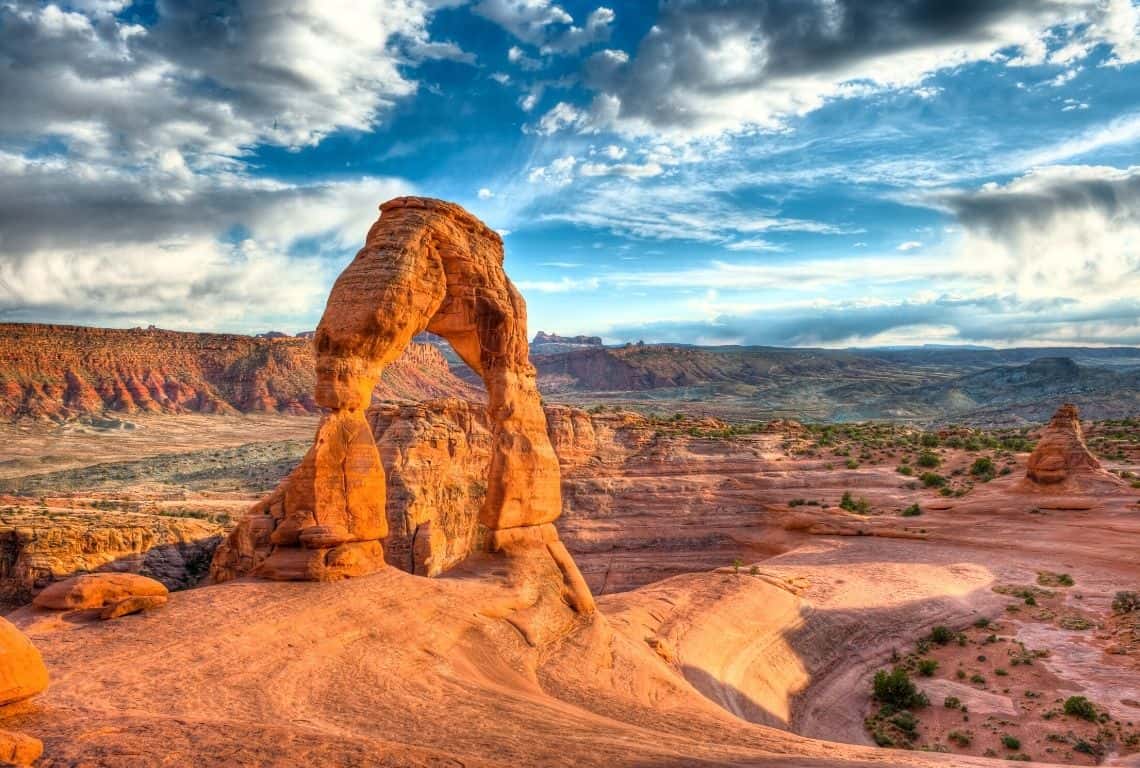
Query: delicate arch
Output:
(425,265)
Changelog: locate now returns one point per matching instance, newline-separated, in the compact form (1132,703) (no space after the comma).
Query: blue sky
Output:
(791,172)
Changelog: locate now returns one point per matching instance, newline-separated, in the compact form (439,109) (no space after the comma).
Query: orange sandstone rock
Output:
(96,590)
(130,605)
(1061,450)
(18,749)
(22,670)
(426,265)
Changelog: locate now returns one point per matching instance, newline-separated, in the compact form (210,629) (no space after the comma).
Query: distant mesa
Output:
(272,335)
(543,337)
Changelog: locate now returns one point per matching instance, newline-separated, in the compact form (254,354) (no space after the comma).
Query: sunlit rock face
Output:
(426,265)
(1061,450)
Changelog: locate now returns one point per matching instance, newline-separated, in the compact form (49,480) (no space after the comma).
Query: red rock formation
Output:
(55,371)
(1061,458)
(37,549)
(18,749)
(426,265)
(97,590)
(22,670)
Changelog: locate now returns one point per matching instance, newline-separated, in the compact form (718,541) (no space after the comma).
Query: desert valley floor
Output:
(750,583)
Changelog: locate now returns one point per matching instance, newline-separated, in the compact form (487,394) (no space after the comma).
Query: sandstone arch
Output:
(425,265)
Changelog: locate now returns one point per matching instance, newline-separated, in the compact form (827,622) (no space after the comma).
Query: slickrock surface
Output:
(59,372)
(426,265)
(1062,459)
(37,549)
(97,590)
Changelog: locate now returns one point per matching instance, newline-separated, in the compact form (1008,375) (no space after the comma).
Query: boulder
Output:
(97,590)
(131,605)
(22,670)
(18,749)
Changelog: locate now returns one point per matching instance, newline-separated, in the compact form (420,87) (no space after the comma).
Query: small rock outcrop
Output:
(18,749)
(426,265)
(1061,449)
(22,670)
(99,590)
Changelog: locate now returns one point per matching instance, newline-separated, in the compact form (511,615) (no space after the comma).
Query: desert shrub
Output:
(852,464)
(896,689)
(928,460)
(905,469)
(848,502)
(977,679)
(797,502)
(905,722)
(941,634)
(912,511)
(983,467)
(981,622)
(1010,742)
(1079,706)
(961,738)
(929,440)
(932,480)
(1000,672)
(952,702)
(927,667)
(1126,601)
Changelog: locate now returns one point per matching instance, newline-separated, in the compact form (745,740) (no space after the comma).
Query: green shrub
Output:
(927,667)
(896,689)
(941,634)
(905,722)
(1126,601)
(952,702)
(982,467)
(905,469)
(928,460)
(1010,742)
(912,511)
(861,507)
(961,738)
(1079,706)
(982,622)
(852,464)
(932,480)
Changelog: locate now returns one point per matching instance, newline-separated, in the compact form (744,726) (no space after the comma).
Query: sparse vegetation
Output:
(912,511)
(1126,601)
(1079,706)
(897,689)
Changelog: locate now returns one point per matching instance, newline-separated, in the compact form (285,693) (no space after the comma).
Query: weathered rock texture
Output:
(22,670)
(18,749)
(59,372)
(1061,457)
(426,265)
(38,549)
(97,590)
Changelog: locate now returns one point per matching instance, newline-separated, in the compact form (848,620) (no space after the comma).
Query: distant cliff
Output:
(59,371)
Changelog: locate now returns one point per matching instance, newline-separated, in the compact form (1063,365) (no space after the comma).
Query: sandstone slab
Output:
(97,590)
